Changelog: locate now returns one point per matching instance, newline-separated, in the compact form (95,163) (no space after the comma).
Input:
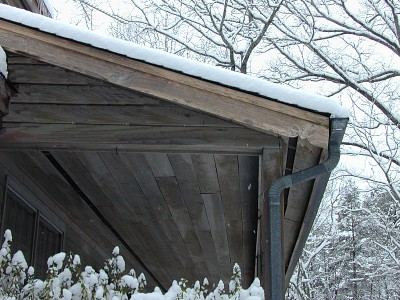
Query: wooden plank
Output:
(248,174)
(145,178)
(291,231)
(215,216)
(170,189)
(229,182)
(206,172)
(244,108)
(306,156)
(13,59)
(82,177)
(90,174)
(36,165)
(117,198)
(130,203)
(186,178)
(271,170)
(106,94)
(77,237)
(47,74)
(228,178)
(93,227)
(131,193)
(170,115)
(312,209)
(159,164)
(139,167)
(146,246)
(134,138)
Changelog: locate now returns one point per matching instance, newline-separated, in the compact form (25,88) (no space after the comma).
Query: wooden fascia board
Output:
(240,107)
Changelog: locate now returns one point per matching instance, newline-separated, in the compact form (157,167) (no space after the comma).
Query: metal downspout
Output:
(337,128)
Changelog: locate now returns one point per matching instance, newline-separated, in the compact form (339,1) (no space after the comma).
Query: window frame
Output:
(40,209)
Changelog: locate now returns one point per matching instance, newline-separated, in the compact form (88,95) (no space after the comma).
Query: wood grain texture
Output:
(309,217)
(246,109)
(138,165)
(271,170)
(215,215)
(248,175)
(228,178)
(206,173)
(57,198)
(298,197)
(47,74)
(134,138)
(149,115)
(186,178)
(306,156)
(123,205)
(129,191)
(170,189)
(101,93)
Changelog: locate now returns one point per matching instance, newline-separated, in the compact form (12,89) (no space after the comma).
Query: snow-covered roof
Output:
(173,62)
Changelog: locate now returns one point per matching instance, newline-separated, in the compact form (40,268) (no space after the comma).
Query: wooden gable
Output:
(172,168)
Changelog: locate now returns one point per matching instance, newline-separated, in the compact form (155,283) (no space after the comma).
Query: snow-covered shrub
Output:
(67,281)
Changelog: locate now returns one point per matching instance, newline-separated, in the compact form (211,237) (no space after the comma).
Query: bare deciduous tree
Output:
(349,50)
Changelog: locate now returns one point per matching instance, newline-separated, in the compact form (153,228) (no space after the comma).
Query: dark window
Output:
(36,237)
(49,242)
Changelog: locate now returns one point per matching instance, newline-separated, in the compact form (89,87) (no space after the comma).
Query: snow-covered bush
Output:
(66,280)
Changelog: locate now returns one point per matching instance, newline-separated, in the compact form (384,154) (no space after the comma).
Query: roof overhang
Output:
(252,111)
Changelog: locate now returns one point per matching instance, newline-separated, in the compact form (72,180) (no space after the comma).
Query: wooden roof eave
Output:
(240,107)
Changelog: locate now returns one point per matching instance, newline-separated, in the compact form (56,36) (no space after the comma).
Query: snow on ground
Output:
(160,58)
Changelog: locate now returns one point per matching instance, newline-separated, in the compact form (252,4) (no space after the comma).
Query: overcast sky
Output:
(66,12)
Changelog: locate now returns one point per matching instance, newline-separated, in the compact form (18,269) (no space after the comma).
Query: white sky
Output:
(65,12)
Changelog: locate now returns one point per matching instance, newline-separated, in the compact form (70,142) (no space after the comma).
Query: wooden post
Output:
(271,169)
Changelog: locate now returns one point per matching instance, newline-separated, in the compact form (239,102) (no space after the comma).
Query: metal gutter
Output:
(276,272)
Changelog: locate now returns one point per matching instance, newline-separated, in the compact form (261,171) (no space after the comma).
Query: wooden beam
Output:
(135,138)
(246,109)
(309,217)
(139,115)
(271,170)
(298,198)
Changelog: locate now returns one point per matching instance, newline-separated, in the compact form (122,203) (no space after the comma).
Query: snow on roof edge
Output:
(246,83)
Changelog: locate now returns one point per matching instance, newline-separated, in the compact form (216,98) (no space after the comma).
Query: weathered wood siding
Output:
(179,187)
(36,180)
(180,190)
